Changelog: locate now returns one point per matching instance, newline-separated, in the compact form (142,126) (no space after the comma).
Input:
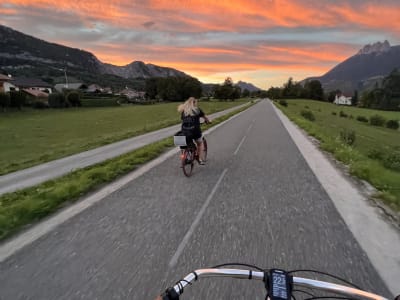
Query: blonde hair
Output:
(189,108)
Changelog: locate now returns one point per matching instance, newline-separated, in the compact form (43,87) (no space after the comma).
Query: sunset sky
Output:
(262,42)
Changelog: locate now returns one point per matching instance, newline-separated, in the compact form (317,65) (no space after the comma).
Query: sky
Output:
(262,42)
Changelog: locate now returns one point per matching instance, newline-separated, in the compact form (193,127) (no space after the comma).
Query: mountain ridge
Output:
(19,50)
(362,70)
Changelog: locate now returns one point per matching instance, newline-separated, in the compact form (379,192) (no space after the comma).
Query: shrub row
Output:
(12,99)
(100,102)
(59,100)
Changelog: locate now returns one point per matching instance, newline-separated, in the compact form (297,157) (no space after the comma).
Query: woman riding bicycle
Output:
(190,115)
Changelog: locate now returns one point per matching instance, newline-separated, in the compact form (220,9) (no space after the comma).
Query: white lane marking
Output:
(31,235)
(185,240)
(238,147)
(251,126)
(242,141)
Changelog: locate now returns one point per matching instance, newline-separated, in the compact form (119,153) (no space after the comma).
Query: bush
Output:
(348,136)
(40,105)
(334,113)
(74,99)
(307,114)
(57,100)
(17,99)
(392,124)
(4,100)
(375,154)
(362,119)
(283,103)
(342,114)
(377,120)
(392,161)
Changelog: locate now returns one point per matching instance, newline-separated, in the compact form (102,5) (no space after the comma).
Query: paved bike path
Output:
(256,201)
(53,169)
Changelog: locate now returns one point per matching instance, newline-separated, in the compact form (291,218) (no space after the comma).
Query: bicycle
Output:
(189,152)
(279,284)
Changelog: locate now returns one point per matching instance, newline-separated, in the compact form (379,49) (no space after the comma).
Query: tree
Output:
(151,88)
(331,96)
(274,93)
(74,99)
(173,88)
(227,90)
(245,93)
(354,99)
(314,90)
(4,100)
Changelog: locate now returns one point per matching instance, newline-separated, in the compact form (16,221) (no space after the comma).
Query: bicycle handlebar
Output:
(174,292)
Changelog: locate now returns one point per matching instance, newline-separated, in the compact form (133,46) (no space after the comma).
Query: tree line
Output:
(294,90)
(385,96)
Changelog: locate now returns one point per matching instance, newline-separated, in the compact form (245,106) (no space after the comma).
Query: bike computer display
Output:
(279,285)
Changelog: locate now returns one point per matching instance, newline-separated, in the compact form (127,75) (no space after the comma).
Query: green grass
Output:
(367,156)
(32,137)
(24,207)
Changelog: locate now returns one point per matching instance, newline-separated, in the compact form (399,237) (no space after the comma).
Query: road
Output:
(256,201)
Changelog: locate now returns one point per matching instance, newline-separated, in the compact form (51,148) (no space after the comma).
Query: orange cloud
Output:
(203,15)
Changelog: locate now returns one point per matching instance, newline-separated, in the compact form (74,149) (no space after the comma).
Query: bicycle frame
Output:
(297,281)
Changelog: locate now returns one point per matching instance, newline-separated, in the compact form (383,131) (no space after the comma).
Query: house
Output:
(32,84)
(107,90)
(34,94)
(94,88)
(70,86)
(6,85)
(341,99)
(132,94)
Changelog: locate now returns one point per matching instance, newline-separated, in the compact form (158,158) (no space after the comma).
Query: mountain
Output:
(21,54)
(245,85)
(362,70)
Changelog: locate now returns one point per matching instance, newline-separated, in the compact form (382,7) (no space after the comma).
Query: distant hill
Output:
(250,87)
(361,71)
(21,54)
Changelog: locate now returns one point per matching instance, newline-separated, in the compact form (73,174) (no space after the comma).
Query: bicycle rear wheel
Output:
(187,162)
(205,148)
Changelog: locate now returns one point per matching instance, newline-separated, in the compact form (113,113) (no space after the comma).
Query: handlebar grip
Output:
(169,294)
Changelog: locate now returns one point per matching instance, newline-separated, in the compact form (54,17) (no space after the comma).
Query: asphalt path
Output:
(256,201)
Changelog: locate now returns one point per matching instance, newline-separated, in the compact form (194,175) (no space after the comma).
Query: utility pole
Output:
(66,78)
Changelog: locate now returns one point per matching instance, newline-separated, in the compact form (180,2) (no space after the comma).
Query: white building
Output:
(342,100)
(8,86)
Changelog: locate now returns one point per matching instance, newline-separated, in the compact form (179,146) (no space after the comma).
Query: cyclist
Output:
(190,115)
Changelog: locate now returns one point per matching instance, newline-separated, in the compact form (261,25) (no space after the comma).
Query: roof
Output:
(71,86)
(36,93)
(4,77)
(25,82)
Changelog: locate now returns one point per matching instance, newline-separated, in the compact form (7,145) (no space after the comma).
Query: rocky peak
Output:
(375,48)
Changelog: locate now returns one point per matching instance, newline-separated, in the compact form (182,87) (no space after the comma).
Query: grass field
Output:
(32,137)
(24,207)
(375,154)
